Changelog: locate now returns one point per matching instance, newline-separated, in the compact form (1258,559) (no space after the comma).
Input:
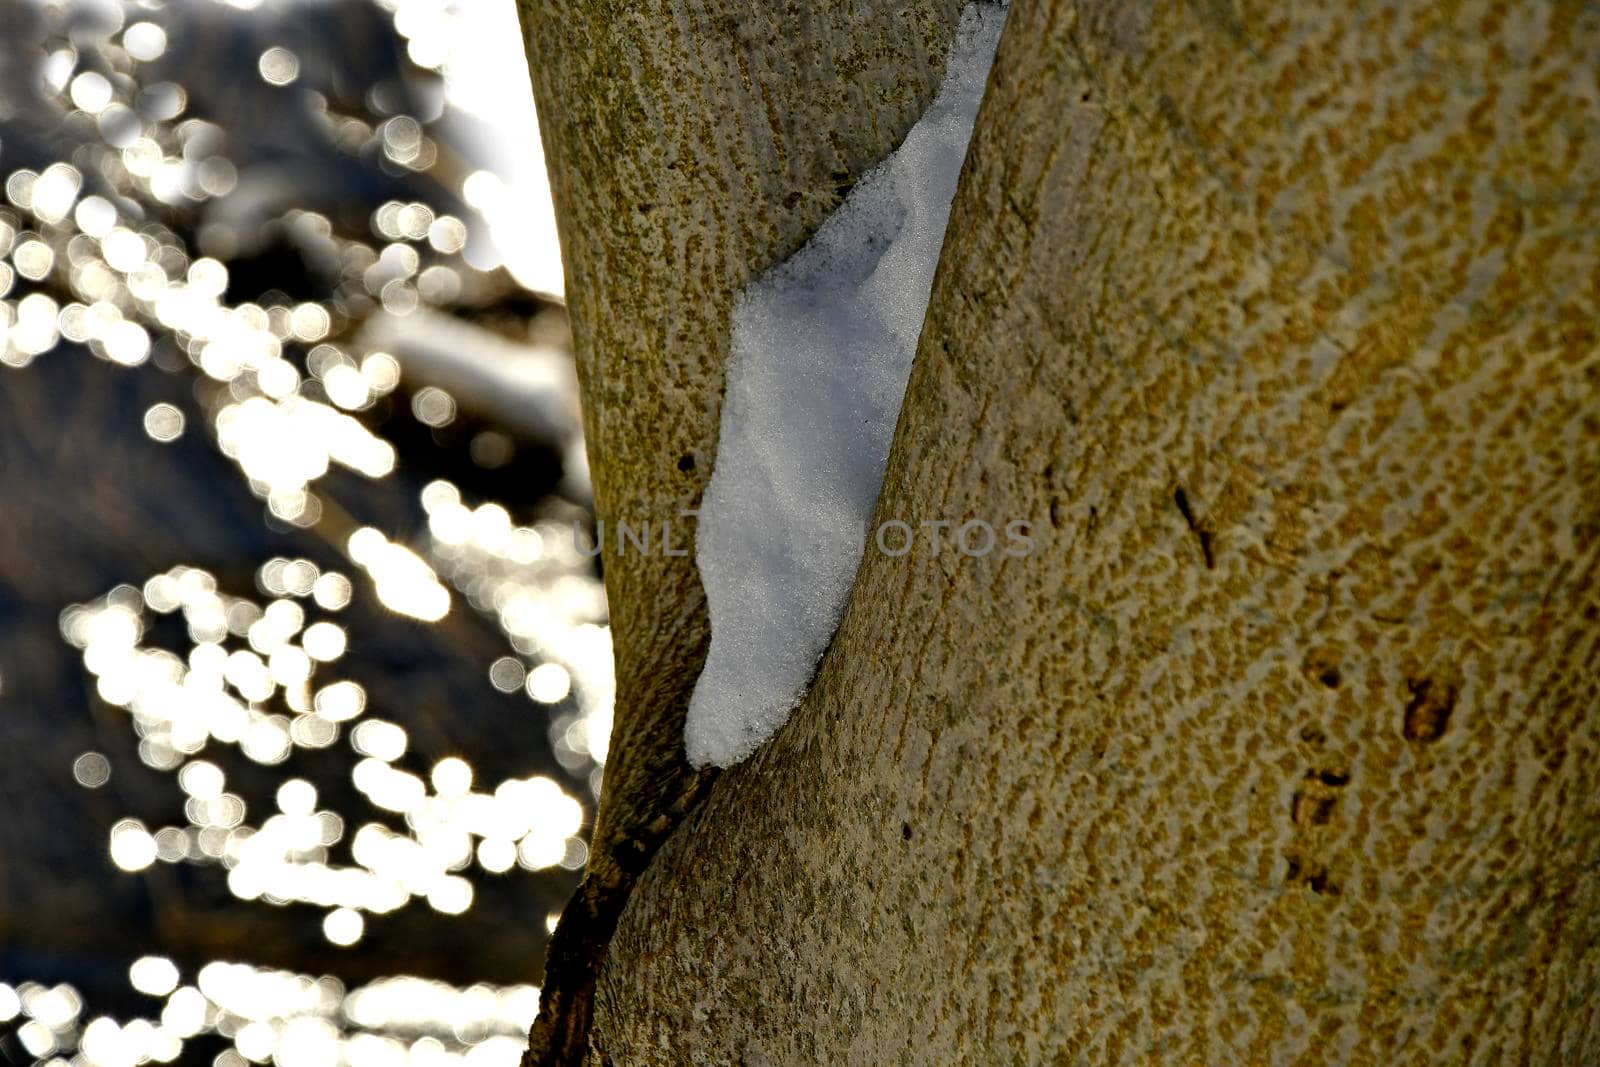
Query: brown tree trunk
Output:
(691,143)
(1278,322)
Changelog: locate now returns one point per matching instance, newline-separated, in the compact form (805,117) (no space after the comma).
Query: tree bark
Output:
(691,143)
(1277,321)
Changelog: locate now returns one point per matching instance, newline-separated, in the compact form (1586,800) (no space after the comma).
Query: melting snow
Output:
(822,349)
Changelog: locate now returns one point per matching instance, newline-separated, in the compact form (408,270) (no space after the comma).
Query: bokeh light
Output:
(138,252)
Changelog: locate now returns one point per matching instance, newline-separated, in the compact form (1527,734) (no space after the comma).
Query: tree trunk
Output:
(691,143)
(1278,323)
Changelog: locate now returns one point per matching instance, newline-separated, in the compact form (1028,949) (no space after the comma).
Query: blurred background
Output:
(305,680)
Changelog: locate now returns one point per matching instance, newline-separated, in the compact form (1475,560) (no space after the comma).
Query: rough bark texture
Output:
(1279,321)
(691,143)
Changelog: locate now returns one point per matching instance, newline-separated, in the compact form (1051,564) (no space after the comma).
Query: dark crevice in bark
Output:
(578,947)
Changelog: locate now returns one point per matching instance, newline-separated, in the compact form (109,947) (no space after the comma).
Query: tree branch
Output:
(691,143)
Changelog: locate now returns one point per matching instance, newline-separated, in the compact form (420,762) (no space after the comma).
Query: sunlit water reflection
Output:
(130,245)
(279,1017)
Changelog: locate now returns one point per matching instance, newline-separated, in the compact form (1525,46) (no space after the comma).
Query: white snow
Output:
(822,347)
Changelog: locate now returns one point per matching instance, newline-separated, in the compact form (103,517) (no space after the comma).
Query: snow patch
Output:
(821,351)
